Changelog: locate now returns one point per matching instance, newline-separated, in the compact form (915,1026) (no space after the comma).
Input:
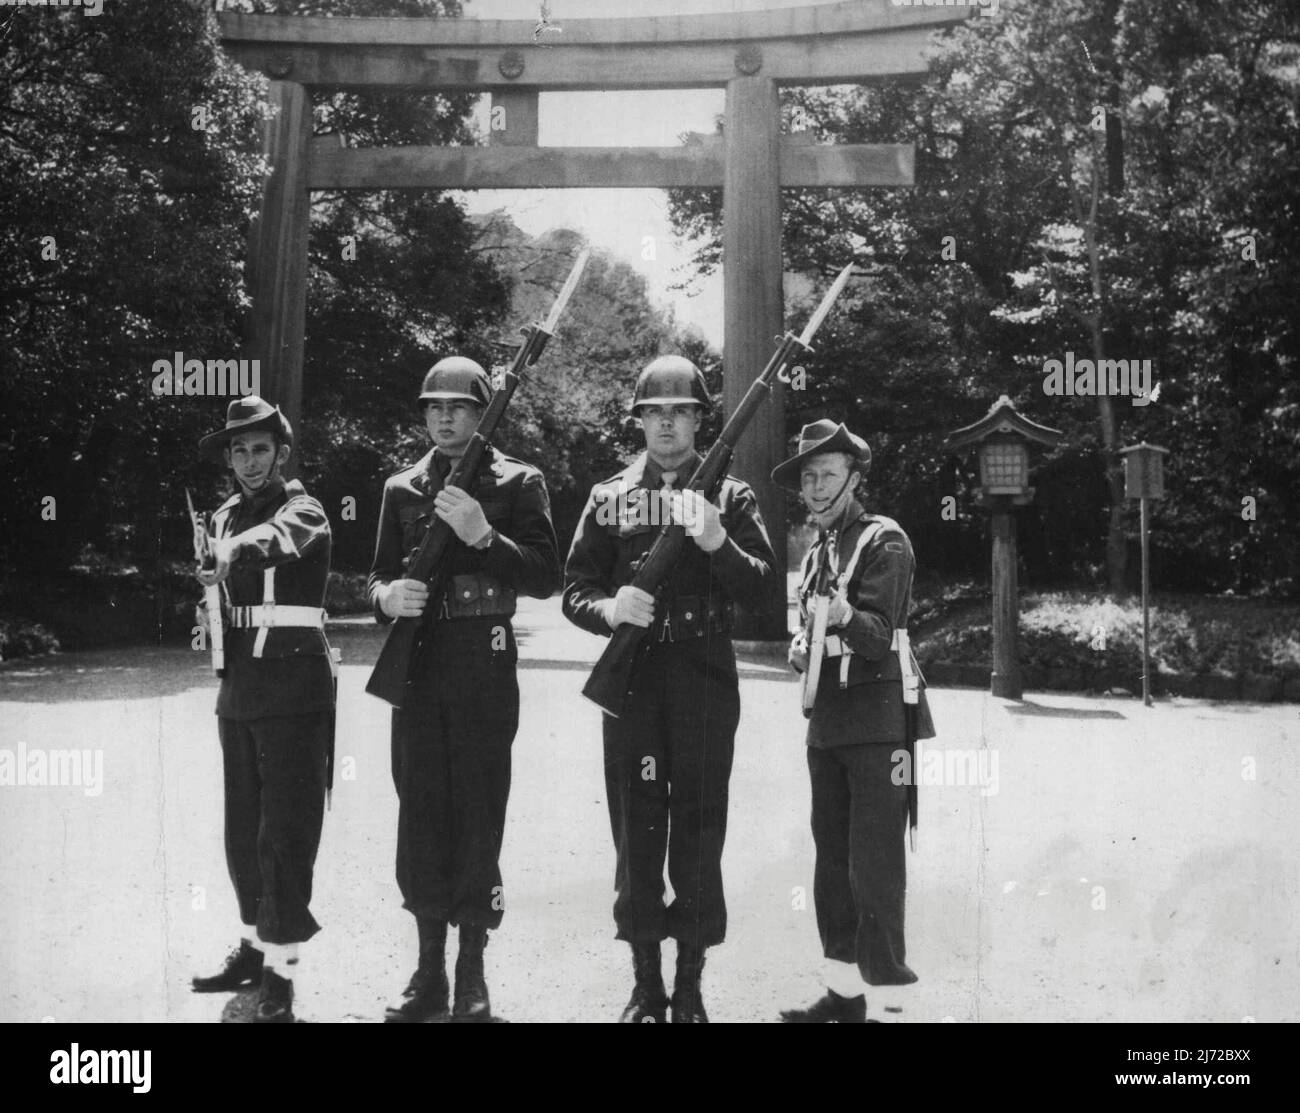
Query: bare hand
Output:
(404,599)
(839,612)
(223,553)
(462,512)
(798,655)
(632,605)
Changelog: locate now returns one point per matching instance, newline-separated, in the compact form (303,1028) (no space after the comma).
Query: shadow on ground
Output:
(1025,707)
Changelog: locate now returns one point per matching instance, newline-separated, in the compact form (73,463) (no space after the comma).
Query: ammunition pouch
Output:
(477,595)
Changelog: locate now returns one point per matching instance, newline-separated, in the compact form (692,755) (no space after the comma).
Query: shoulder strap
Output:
(868,534)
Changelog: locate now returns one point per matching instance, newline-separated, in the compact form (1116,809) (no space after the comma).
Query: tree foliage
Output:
(1195,161)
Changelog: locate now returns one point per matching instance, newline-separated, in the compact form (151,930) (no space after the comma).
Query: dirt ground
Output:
(1118,862)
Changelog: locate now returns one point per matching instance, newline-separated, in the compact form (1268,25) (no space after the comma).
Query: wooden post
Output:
(1006,607)
(277,253)
(753,307)
(1146,613)
(515,125)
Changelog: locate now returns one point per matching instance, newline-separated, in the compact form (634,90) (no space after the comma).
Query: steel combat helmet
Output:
(670,380)
(456,378)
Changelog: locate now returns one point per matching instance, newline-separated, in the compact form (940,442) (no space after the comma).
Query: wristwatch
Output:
(486,540)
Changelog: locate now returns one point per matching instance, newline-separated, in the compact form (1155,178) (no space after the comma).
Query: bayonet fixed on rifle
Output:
(211,595)
(429,562)
(823,586)
(607,686)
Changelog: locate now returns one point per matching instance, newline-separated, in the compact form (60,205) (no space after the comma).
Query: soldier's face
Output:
(451,422)
(824,478)
(670,431)
(256,459)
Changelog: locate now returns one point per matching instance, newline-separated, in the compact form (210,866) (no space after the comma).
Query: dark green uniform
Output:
(668,756)
(275,707)
(451,738)
(855,734)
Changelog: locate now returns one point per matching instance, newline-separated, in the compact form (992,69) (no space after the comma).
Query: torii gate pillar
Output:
(753,305)
(277,256)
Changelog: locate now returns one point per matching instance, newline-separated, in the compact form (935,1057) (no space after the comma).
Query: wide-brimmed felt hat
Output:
(815,439)
(249,414)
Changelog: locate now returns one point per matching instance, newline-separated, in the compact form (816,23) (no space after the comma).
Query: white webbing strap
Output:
(864,539)
(900,642)
(221,528)
(268,604)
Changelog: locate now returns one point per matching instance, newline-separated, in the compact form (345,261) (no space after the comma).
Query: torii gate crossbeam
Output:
(749,54)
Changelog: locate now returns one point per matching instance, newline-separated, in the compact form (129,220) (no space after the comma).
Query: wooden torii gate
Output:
(750,54)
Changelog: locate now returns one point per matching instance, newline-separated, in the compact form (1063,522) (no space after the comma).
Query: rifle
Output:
(211,595)
(607,687)
(817,623)
(429,562)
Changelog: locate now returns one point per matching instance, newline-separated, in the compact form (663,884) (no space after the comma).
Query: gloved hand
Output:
(224,550)
(462,512)
(630,605)
(839,612)
(798,655)
(700,517)
(404,599)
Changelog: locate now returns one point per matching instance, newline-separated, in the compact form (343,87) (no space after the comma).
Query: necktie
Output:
(666,481)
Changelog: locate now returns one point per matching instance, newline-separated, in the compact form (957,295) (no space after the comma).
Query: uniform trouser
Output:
(451,766)
(859,818)
(275,804)
(667,768)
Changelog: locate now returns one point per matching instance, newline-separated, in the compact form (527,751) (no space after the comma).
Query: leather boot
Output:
(688,1006)
(243,967)
(830,1009)
(425,998)
(472,1003)
(274,999)
(649,999)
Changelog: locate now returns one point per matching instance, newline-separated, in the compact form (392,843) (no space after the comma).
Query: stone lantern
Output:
(1002,438)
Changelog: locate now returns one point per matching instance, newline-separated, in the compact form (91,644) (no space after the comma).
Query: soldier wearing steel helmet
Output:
(452,737)
(271,549)
(668,756)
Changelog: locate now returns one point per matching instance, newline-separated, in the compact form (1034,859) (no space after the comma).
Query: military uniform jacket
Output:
(523,556)
(617,529)
(284,529)
(869,708)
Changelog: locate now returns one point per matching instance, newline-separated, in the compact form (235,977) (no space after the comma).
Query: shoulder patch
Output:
(894,547)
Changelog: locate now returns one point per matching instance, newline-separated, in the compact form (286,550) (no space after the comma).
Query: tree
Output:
(1030,233)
